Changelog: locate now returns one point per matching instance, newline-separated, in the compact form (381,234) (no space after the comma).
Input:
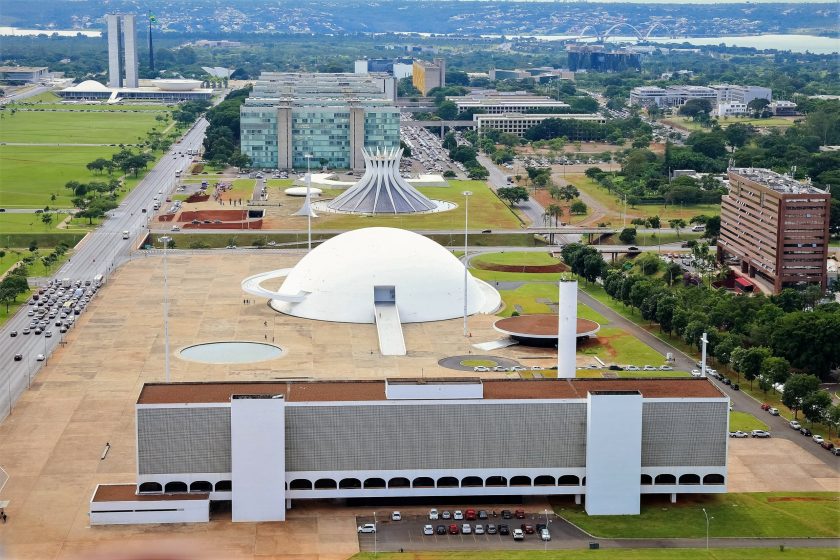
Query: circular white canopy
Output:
(338,280)
(301,191)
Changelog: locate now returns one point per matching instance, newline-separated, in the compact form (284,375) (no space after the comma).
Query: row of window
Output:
(428,482)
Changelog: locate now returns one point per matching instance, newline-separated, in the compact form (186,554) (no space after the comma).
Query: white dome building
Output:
(353,276)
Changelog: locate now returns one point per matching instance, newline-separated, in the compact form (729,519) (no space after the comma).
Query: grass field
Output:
(744,422)
(30,174)
(51,101)
(516,258)
(614,345)
(98,127)
(26,223)
(776,514)
(616,207)
(688,124)
(524,299)
(486,211)
(614,554)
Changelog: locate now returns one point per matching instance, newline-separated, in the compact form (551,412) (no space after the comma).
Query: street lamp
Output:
(374,533)
(707,528)
(165,240)
(308,202)
(545,542)
(467,195)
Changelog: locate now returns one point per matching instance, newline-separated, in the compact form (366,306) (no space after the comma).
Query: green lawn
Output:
(99,127)
(487,211)
(29,223)
(526,296)
(687,123)
(30,174)
(518,258)
(495,275)
(616,206)
(614,345)
(613,554)
(776,514)
(744,422)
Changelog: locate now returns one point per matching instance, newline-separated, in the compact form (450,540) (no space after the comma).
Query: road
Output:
(741,401)
(98,253)
(24,94)
(497,179)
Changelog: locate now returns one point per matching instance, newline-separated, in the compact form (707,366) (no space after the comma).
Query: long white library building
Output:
(262,445)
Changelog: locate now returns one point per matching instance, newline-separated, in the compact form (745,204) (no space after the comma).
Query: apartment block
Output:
(776,227)
(429,75)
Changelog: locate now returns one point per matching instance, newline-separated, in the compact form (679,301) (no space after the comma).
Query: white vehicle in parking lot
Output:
(433,514)
(481,368)
(795,425)
(367,528)
(458,515)
(739,434)
(396,516)
(428,530)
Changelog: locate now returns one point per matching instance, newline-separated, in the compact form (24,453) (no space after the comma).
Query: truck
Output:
(98,280)
(66,283)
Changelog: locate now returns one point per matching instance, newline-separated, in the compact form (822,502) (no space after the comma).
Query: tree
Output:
(554,211)
(693,107)
(757,106)
(751,361)
(8,295)
(833,418)
(648,263)
(673,272)
(513,194)
(737,134)
(774,370)
(815,405)
(578,207)
(627,235)
(447,110)
(797,388)
(654,222)
(677,224)
(47,219)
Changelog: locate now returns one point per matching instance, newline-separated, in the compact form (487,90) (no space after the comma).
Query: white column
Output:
(567,328)
(258,458)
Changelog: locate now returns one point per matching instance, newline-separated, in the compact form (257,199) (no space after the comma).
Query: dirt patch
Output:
(529,269)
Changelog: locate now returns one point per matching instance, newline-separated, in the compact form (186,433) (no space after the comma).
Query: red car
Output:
(527,529)
(453,529)
(469,515)
(519,514)
(827,445)
(765,406)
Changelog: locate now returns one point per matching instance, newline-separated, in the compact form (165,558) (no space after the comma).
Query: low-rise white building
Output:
(519,123)
(731,109)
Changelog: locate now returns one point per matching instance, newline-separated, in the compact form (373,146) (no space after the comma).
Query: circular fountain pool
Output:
(230,352)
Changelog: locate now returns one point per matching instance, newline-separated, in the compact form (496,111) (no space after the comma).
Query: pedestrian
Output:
(265,336)
(265,323)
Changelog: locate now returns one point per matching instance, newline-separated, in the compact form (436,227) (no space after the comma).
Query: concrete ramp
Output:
(389,328)
(495,344)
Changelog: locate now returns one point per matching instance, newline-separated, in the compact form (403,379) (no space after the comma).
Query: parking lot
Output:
(407,534)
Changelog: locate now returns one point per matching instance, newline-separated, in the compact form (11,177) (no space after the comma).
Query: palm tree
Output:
(554,211)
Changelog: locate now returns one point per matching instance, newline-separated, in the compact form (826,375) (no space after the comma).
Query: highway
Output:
(98,253)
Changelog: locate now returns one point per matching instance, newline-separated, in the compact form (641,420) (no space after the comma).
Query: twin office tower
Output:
(122,51)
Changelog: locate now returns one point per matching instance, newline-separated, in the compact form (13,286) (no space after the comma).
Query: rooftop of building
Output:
(23,68)
(128,493)
(775,181)
(374,390)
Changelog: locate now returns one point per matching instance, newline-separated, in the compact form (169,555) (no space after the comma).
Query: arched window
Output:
(447,482)
(647,480)
(568,480)
(175,487)
(399,482)
(423,482)
(713,479)
(690,479)
(495,481)
(374,483)
(544,480)
(201,486)
(150,488)
(223,486)
(325,484)
(665,479)
(520,481)
(300,484)
(350,484)
(472,482)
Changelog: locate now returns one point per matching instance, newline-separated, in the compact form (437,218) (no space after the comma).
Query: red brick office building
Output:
(776,227)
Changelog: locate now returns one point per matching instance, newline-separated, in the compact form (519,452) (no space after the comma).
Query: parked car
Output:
(470,515)
(504,529)
(453,529)
(396,516)
(527,529)
(518,535)
(726,381)
(666,368)
(481,369)
(835,451)
(818,438)
(545,535)
(479,529)
(736,387)
(491,529)
(774,411)
(482,514)
(459,515)
(805,432)
(519,514)
(795,425)
(367,528)
(445,515)
(648,368)
(433,514)
(428,530)
(765,406)
(466,529)
(739,434)
(827,445)
(760,433)
(506,514)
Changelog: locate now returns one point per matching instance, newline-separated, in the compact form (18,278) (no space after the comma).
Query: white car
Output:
(760,433)
(428,530)
(41,358)
(818,438)
(795,425)
(666,368)
(545,535)
(648,368)
(739,434)
(517,368)
(631,368)
(479,529)
(696,373)
(518,535)
(433,514)
(466,529)
(481,368)
(176,228)
(396,516)
(367,528)
(458,515)
(537,368)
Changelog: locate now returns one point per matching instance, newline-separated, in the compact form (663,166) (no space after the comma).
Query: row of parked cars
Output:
(824,443)
(491,529)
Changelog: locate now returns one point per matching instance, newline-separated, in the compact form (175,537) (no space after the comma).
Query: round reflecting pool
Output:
(230,352)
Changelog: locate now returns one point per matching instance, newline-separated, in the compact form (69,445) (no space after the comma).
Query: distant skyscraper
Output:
(122,50)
